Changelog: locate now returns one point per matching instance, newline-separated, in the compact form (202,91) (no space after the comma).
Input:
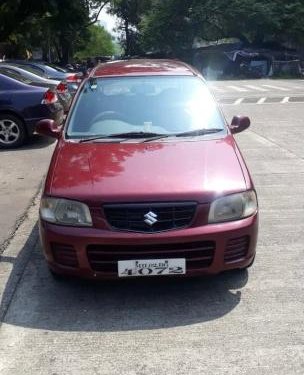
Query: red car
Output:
(147,179)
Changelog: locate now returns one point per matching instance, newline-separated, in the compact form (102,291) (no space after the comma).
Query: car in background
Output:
(147,179)
(29,78)
(73,79)
(21,107)
(56,67)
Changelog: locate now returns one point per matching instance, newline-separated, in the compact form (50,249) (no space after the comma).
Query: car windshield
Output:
(58,68)
(49,69)
(15,76)
(157,105)
(32,70)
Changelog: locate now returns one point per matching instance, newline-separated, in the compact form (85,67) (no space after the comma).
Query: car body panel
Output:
(26,102)
(80,238)
(142,68)
(187,169)
(48,72)
(100,170)
(29,75)
(65,98)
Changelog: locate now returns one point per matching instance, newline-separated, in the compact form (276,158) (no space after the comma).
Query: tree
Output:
(99,43)
(24,15)
(56,25)
(290,15)
(130,13)
(59,27)
(167,27)
(173,25)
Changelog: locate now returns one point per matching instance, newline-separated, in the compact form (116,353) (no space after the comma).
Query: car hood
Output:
(136,172)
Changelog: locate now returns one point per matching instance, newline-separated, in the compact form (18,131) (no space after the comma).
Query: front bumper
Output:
(209,249)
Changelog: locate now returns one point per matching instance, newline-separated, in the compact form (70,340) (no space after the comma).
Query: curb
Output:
(17,254)
(20,220)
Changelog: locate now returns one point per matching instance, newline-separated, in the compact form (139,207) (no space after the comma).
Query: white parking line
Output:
(255,88)
(261,101)
(238,101)
(276,88)
(285,100)
(237,88)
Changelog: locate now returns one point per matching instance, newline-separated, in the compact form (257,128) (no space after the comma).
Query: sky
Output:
(108,21)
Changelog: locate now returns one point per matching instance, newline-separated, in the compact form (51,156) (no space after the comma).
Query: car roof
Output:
(14,82)
(26,73)
(143,67)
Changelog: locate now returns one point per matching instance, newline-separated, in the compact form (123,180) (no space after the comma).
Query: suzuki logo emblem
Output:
(150,218)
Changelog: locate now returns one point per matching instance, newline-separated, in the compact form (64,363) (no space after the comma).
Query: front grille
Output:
(131,217)
(236,249)
(64,255)
(104,258)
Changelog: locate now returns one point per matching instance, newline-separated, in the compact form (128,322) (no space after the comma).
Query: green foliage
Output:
(130,13)
(56,26)
(99,43)
(173,25)
(168,26)
(62,27)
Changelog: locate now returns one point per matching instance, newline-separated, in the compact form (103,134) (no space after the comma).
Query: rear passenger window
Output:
(34,67)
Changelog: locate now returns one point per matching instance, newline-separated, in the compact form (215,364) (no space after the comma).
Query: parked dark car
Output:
(73,79)
(21,106)
(147,179)
(29,78)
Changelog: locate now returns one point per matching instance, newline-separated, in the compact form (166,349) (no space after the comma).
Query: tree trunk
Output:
(127,32)
(65,55)
(58,50)
(259,38)
(65,47)
(45,53)
(243,39)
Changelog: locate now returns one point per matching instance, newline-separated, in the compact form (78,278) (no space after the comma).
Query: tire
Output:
(12,131)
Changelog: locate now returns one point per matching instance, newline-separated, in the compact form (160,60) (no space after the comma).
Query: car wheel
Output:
(12,131)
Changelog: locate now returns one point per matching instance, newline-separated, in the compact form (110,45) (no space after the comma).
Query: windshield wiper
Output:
(199,132)
(128,135)
(149,137)
(158,137)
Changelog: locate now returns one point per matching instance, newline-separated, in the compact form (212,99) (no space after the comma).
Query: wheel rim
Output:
(9,132)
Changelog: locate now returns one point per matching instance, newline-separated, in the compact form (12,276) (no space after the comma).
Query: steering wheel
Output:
(110,115)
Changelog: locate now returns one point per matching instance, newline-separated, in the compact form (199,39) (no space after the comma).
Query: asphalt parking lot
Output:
(21,175)
(249,323)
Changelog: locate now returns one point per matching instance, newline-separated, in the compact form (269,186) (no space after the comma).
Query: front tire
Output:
(12,131)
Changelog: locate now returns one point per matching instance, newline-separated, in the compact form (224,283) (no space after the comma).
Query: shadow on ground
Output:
(35,142)
(40,302)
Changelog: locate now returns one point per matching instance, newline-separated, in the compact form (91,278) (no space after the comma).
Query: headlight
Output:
(233,207)
(65,212)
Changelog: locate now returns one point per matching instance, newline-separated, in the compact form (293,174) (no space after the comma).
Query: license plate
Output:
(151,267)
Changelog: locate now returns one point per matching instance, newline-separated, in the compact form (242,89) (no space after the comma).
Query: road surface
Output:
(232,324)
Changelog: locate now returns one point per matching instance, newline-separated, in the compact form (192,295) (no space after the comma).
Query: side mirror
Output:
(48,128)
(239,124)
